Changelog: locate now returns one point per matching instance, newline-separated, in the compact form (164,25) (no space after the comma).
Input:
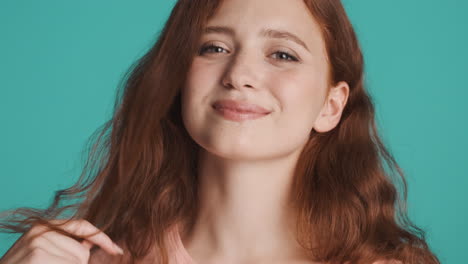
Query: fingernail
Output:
(118,249)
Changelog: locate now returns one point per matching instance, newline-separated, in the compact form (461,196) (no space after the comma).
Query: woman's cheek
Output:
(199,85)
(299,94)
(290,87)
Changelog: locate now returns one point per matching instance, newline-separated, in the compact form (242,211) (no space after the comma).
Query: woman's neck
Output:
(244,213)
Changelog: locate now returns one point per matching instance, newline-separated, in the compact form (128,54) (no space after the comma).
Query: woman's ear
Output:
(332,108)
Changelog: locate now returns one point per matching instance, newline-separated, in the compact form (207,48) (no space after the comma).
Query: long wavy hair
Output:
(138,179)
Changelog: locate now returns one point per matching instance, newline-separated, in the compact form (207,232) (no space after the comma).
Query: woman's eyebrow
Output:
(266,32)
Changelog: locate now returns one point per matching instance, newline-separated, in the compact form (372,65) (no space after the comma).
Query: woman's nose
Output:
(240,72)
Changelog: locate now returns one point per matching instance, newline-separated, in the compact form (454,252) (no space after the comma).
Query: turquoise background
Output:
(61,62)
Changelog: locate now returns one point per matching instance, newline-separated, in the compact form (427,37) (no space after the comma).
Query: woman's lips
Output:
(239,111)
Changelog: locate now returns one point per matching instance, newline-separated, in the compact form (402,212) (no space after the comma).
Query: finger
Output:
(39,255)
(52,247)
(68,245)
(53,242)
(87,244)
(18,251)
(22,247)
(82,228)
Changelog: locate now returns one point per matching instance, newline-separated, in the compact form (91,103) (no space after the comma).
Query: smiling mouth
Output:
(234,115)
(239,111)
(240,106)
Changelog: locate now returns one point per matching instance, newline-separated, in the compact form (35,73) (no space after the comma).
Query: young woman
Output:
(245,135)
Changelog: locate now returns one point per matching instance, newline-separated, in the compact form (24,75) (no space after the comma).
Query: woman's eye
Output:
(204,49)
(217,49)
(286,56)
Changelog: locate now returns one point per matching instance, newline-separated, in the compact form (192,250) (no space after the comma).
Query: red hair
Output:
(138,180)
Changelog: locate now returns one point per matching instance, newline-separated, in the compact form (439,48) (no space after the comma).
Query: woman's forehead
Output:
(278,19)
(261,16)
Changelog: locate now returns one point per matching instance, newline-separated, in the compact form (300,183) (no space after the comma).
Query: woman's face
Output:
(268,53)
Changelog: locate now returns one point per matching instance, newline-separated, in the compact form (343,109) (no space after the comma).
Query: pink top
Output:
(177,253)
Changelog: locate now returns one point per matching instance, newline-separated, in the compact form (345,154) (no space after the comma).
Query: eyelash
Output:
(291,58)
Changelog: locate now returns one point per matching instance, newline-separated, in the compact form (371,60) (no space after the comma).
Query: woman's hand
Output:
(52,247)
